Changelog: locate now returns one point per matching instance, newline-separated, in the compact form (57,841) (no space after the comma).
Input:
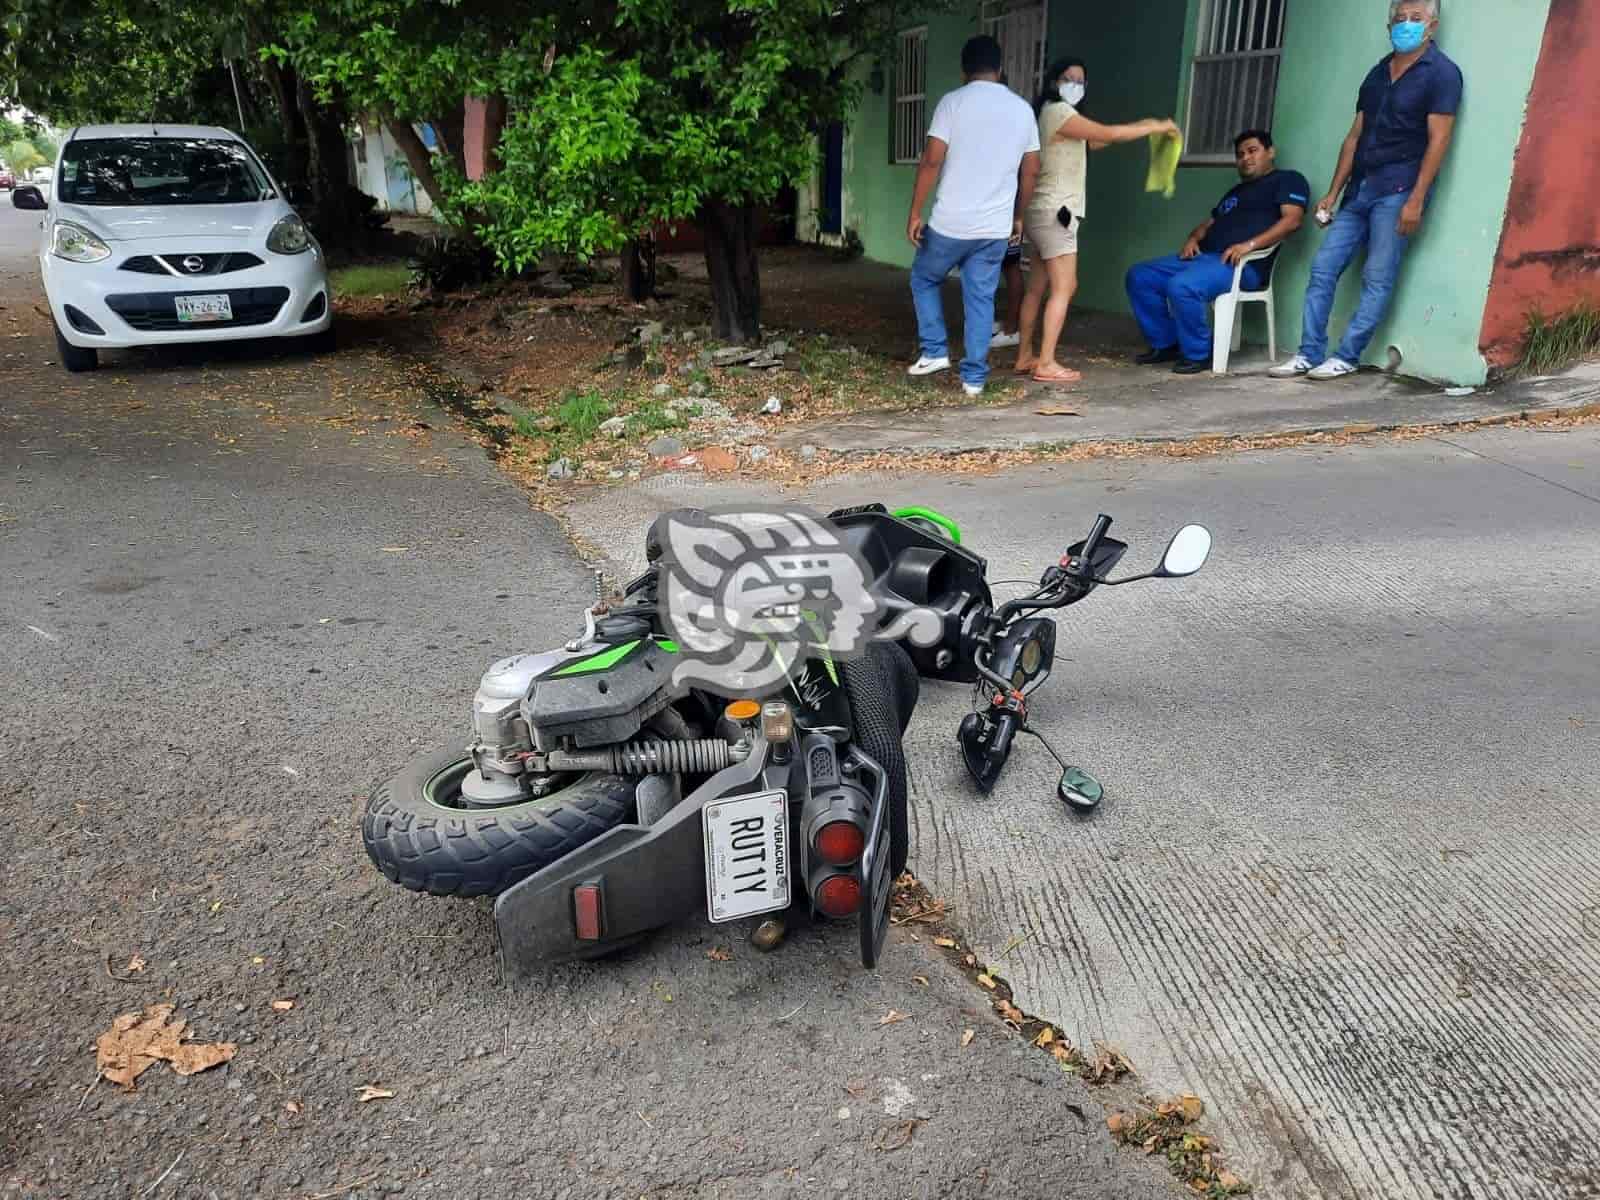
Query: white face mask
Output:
(1072,92)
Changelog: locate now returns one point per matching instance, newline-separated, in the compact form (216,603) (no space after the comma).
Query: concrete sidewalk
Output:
(1120,403)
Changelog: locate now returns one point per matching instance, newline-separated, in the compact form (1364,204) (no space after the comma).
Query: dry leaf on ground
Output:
(1009,1012)
(1057,410)
(987,980)
(922,979)
(966,1038)
(136,963)
(894,1015)
(1062,1051)
(1192,1107)
(1046,1036)
(1116,1123)
(137,1041)
(293,1106)
(947,943)
(718,954)
(283,1005)
(369,1092)
(1228,1179)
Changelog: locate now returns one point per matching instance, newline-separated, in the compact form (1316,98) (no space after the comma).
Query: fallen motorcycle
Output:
(599,801)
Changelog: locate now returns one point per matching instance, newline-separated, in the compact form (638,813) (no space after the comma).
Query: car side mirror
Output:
(1079,790)
(29,197)
(1186,553)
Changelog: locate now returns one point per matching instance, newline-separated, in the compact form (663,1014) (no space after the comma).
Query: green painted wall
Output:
(1137,56)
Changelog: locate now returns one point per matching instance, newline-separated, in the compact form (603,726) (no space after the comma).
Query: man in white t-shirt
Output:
(983,150)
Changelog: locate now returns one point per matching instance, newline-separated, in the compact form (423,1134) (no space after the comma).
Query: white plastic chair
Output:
(1228,329)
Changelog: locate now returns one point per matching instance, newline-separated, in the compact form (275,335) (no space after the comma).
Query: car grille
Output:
(211,264)
(155,311)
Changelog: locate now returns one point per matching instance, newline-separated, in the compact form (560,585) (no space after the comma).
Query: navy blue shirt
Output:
(1252,208)
(1394,131)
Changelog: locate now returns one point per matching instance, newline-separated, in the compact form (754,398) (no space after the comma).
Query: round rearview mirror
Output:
(1187,552)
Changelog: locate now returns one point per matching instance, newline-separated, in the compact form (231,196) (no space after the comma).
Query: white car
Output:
(172,233)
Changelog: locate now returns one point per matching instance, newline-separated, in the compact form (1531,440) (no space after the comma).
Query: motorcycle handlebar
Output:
(1102,526)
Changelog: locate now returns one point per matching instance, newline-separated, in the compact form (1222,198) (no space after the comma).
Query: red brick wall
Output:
(1549,257)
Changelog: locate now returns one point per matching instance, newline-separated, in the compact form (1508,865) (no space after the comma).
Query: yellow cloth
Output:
(1165,151)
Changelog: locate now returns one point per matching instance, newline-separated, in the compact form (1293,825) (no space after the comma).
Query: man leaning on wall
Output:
(1405,118)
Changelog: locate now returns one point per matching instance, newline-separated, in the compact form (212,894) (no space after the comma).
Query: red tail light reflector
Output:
(838,895)
(586,909)
(840,843)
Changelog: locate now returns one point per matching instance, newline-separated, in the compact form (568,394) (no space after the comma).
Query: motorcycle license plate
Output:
(198,309)
(747,855)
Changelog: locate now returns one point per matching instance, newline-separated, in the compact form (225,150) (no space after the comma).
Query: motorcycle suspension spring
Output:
(698,757)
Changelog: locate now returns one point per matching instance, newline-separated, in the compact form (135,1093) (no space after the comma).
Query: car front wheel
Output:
(76,358)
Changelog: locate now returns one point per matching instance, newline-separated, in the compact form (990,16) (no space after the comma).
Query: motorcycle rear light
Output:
(838,895)
(586,911)
(839,843)
(777,721)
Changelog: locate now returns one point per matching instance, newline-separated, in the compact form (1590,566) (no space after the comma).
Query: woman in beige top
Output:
(1065,137)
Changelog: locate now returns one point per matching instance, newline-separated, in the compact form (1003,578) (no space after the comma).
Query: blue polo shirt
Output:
(1252,208)
(1394,133)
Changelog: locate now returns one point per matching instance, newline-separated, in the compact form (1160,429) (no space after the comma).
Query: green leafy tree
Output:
(23,156)
(620,116)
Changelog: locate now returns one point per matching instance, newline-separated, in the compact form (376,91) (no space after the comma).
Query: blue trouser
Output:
(1171,298)
(979,260)
(1365,220)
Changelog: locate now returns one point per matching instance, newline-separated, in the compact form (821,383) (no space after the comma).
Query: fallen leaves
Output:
(370,1092)
(719,954)
(1057,410)
(1009,1012)
(135,965)
(1107,1066)
(137,1041)
(922,979)
(282,1005)
(898,1136)
(1045,1037)
(987,980)
(947,943)
(967,1036)
(894,1017)
(293,1107)
(1192,1156)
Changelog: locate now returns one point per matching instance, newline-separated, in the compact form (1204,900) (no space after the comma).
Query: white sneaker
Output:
(929,366)
(972,389)
(1297,366)
(1334,368)
(1001,340)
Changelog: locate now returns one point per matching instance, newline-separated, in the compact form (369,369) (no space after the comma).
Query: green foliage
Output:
(1556,343)
(23,156)
(580,413)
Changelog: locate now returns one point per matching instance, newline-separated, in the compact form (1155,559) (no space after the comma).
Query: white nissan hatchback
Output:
(172,233)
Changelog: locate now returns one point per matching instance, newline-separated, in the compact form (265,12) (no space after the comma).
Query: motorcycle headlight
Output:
(289,236)
(76,244)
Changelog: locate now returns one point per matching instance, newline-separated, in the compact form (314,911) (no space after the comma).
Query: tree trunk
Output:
(418,160)
(337,221)
(452,131)
(284,85)
(639,269)
(730,233)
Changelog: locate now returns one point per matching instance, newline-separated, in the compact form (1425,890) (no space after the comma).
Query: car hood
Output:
(138,223)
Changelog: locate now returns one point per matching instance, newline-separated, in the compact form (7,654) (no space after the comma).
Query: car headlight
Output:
(289,236)
(76,244)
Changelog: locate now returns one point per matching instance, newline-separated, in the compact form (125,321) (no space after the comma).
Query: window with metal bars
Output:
(910,123)
(1233,83)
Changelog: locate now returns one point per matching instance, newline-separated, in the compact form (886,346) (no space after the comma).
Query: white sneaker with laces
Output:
(1001,340)
(972,389)
(929,366)
(1293,369)
(1334,368)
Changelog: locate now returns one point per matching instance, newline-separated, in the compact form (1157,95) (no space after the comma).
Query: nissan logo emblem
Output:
(194,264)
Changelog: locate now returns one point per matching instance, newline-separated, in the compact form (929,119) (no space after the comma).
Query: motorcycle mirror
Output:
(1186,553)
(985,746)
(1079,790)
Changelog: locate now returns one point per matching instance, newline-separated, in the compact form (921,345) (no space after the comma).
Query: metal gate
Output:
(1019,27)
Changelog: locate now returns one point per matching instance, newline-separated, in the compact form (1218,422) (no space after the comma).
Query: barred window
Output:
(1234,83)
(1019,27)
(910,97)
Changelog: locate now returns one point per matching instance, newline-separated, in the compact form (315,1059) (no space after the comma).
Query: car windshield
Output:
(125,171)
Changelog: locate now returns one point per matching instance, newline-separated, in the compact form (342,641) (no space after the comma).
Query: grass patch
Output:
(580,413)
(1556,343)
(654,417)
(376,279)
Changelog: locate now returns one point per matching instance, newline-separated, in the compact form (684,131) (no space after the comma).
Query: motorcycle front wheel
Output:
(420,836)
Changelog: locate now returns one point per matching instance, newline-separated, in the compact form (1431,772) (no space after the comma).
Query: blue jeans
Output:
(1366,220)
(1171,298)
(979,260)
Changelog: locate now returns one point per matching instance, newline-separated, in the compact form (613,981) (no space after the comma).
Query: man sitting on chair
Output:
(1171,295)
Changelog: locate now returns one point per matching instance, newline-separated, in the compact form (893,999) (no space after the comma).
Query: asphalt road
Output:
(235,589)
(1344,885)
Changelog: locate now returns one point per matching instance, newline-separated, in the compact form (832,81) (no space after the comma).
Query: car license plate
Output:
(747,855)
(195,309)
